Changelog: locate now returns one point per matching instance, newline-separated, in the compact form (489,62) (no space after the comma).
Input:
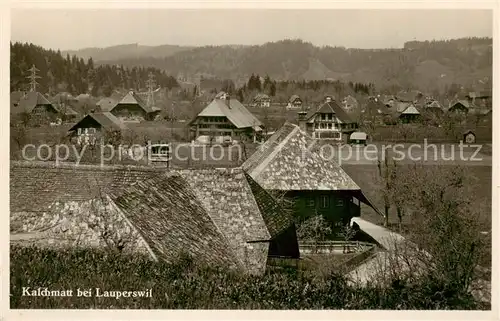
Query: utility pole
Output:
(150,83)
(33,77)
(172,117)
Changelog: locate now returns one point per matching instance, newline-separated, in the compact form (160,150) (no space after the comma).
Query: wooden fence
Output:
(334,247)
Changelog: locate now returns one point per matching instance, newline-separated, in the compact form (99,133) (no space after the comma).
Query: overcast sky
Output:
(75,29)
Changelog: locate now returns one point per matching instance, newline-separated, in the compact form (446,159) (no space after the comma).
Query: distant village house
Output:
(329,121)
(34,104)
(95,126)
(294,102)
(133,108)
(261,100)
(289,163)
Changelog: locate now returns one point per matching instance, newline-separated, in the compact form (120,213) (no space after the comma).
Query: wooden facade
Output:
(330,121)
(337,207)
(94,127)
(219,126)
(225,117)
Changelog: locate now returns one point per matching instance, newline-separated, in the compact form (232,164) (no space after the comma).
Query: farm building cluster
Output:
(224,216)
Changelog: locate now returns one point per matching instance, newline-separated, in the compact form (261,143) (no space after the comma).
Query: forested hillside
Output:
(126,51)
(424,65)
(75,75)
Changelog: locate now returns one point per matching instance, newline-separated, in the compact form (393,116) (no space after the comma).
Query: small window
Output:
(324,201)
(91,130)
(79,131)
(310,202)
(339,202)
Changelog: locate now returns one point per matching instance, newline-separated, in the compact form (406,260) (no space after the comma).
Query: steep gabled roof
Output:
(106,119)
(236,113)
(286,162)
(261,96)
(410,110)
(401,106)
(350,100)
(66,110)
(332,107)
(433,104)
(131,98)
(106,104)
(293,98)
(376,107)
(275,218)
(464,103)
(28,102)
(166,213)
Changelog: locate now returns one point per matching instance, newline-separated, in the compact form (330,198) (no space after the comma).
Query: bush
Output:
(187,285)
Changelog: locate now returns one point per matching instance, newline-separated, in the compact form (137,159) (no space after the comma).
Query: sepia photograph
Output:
(251,159)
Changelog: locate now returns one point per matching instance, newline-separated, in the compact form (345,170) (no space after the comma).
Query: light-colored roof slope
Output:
(106,119)
(286,162)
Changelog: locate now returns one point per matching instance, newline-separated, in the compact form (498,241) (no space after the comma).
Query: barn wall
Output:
(337,207)
(285,244)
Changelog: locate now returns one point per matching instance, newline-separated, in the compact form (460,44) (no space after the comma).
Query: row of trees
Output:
(74,75)
(280,91)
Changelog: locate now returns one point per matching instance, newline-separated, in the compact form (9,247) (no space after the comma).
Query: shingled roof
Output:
(219,215)
(106,104)
(286,162)
(376,107)
(235,112)
(331,107)
(172,221)
(107,120)
(28,102)
(131,98)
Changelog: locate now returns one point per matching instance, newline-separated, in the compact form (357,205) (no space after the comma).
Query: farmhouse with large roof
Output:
(221,217)
(289,163)
(225,116)
(133,108)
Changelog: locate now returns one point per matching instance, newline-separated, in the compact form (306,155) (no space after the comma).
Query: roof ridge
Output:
(256,171)
(73,165)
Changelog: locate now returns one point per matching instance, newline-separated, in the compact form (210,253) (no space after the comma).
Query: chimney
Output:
(228,101)
(302,119)
(328,99)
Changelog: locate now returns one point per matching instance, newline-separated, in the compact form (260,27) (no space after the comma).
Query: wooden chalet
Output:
(34,104)
(289,163)
(329,121)
(225,117)
(95,126)
(133,108)
(294,102)
(410,115)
